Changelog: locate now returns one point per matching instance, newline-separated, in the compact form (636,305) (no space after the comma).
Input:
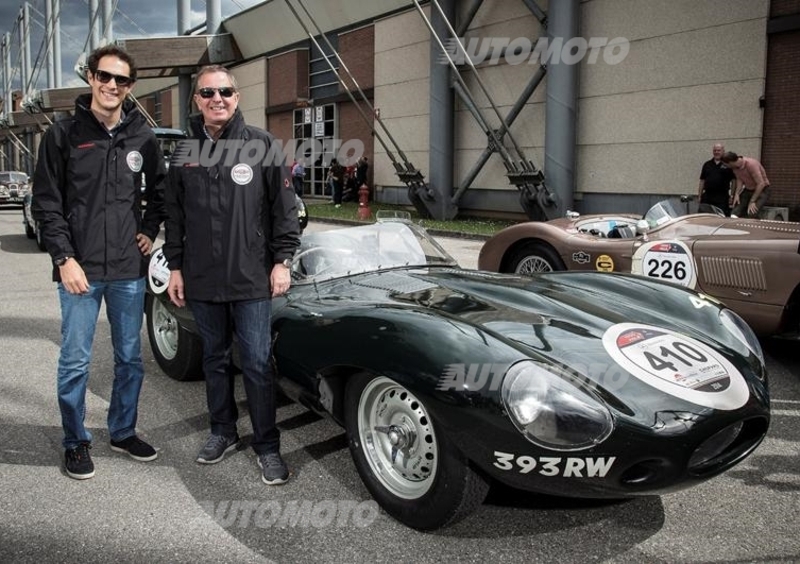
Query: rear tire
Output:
(533,258)
(411,469)
(177,351)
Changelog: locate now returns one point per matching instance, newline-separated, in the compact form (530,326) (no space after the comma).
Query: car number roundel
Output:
(670,261)
(158,272)
(677,365)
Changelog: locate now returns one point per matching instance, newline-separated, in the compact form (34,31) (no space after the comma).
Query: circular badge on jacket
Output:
(135,161)
(242,174)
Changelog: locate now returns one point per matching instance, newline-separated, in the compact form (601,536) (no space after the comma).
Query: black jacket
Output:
(87,196)
(231,213)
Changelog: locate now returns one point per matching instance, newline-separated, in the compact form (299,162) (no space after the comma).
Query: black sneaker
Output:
(78,462)
(215,448)
(273,469)
(136,448)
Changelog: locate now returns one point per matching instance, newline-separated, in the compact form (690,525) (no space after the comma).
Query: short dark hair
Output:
(113,51)
(730,157)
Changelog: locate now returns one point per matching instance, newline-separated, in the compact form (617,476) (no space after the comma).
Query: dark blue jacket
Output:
(87,193)
(231,212)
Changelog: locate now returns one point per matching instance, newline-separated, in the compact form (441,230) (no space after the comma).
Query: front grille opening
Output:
(643,473)
(728,446)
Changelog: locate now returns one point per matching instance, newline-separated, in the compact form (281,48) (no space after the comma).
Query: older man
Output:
(231,232)
(715,181)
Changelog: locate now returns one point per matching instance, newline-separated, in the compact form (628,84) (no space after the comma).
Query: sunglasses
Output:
(105,78)
(225,92)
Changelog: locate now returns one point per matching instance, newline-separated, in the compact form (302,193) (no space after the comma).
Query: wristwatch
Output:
(286,262)
(62,260)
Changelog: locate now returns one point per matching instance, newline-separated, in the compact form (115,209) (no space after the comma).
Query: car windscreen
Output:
(380,246)
(13,177)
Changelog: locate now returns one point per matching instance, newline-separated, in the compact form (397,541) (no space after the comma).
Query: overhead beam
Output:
(165,56)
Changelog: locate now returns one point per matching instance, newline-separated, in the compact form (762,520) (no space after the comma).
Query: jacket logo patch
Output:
(134,160)
(85,145)
(242,174)
(286,183)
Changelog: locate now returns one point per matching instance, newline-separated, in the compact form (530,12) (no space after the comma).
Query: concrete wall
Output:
(252,80)
(693,76)
(401,91)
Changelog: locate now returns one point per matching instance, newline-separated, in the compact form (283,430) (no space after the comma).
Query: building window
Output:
(315,128)
(322,81)
(157,116)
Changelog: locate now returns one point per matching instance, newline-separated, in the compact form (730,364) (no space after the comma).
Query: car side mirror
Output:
(642,227)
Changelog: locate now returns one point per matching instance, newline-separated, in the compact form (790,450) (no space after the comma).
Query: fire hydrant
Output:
(363,202)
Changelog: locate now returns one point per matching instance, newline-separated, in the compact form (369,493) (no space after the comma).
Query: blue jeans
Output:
(250,321)
(124,308)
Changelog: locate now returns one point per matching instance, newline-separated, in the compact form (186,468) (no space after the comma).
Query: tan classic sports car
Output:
(751,265)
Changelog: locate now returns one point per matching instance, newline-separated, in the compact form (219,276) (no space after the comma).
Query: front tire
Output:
(177,351)
(408,466)
(533,258)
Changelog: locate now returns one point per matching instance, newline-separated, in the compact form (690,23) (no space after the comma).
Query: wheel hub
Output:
(398,438)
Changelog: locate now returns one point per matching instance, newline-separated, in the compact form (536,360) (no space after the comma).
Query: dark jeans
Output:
(744,202)
(297,181)
(722,202)
(337,191)
(250,320)
(124,305)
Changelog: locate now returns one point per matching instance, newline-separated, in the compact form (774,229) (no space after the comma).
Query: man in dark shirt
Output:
(715,181)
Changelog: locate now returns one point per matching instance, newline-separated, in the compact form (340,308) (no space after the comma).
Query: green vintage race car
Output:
(574,384)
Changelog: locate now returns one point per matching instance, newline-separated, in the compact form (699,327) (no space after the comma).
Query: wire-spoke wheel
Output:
(177,351)
(416,475)
(534,258)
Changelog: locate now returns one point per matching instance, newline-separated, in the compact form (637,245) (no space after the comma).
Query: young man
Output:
(751,193)
(87,200)
(231,232)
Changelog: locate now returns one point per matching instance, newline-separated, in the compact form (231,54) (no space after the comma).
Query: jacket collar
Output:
(232,130)
(83,103)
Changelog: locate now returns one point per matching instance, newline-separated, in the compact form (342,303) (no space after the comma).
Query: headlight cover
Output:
(739,328)
(551,411)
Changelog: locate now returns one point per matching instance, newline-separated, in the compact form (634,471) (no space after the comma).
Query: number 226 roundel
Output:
(670,261)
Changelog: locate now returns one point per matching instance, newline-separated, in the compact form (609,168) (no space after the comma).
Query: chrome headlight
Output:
(739,328)
(551,411)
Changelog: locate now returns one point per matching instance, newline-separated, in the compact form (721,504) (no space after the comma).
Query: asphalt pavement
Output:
(174,510)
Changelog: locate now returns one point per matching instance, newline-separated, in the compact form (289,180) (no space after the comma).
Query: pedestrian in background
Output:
(337,179)
(298,174)
(231,232)
(87,200)
(752,185)
(715,181)
(362,166)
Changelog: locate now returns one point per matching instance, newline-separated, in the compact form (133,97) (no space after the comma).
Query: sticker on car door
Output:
(670,261)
